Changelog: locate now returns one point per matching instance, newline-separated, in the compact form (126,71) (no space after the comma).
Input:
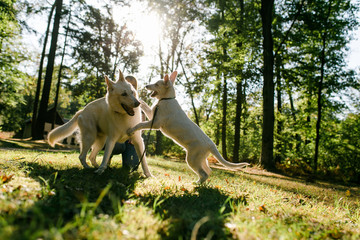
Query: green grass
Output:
(48,195)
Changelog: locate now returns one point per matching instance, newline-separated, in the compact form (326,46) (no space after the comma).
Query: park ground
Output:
(46,194)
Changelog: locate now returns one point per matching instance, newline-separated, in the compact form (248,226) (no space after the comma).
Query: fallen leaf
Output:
(262,209)
(5,178)
(336,234)
(179,178)
(348,193)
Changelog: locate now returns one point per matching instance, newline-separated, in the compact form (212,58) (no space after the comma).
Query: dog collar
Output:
(166,99)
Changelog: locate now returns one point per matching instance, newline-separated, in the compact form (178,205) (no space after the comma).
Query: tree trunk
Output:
(239,98)
(279,145)
(239,95)
(267,158)
(40,123)
(59,74)
(224,123)
(38,85)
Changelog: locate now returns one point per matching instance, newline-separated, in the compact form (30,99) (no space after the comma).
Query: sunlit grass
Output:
(48,195)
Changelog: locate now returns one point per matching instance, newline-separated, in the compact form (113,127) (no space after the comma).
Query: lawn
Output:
(48,195)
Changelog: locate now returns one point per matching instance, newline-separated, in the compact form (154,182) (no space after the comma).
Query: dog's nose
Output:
(147,86)
(137,103)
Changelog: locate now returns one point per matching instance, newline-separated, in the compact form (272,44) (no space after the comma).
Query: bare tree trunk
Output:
(59,74)
(239,98)
(319,95)
(279,145)
(224,123)
(239,95)
(267,151)
(38,85)
(40,123)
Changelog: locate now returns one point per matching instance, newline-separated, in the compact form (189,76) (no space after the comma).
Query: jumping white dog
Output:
(175,124)
(106,120)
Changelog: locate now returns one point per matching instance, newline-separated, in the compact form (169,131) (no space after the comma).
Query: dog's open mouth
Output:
(154,93)
(128,110)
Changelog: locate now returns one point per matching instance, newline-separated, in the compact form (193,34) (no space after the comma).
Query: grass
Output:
(48,195)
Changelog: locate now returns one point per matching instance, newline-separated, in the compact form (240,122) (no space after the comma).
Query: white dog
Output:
(106,120)
(174,123)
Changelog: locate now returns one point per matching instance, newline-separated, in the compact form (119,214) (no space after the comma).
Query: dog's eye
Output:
(124,94)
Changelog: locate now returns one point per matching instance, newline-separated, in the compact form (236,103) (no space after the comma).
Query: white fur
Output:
(105,120)
(175,124)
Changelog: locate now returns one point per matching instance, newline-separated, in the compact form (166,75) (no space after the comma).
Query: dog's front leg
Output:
(110,143)
(141,126)
(146,109)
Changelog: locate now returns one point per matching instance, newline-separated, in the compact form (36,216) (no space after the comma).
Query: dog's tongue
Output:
(128,110)
(154,94)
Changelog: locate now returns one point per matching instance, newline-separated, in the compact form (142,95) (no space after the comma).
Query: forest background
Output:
(267,80)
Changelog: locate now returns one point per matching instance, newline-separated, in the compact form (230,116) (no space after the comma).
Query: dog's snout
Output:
(137,103)
(147,86)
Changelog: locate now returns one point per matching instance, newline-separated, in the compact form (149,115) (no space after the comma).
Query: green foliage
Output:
(13,82)
(102,47)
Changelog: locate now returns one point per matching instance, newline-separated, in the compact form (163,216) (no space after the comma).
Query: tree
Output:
(100,45)
(11,78)
(40,122)
(40,73)
(267,159)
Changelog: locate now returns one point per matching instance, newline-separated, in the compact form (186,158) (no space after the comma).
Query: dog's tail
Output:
(214,151)
(63,131)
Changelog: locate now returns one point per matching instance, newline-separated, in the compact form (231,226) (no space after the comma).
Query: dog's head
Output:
(163,88)
(122,96)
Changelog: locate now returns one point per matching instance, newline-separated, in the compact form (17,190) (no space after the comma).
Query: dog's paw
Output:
(95,165)
(85,165)
(149,175)
(130,132)
(100,171)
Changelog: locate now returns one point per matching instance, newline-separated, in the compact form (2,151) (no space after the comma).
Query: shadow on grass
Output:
(65,194)
(201,212)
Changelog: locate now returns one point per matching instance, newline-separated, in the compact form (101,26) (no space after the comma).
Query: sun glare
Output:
(143,23)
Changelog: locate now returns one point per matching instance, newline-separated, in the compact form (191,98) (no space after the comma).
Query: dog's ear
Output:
(132,81)
(166,79)
(109,83)
(173,76)
(121,77)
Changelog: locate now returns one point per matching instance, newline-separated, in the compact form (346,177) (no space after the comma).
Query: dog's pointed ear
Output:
(173,76)
(109,83)
(132,81)
(166,79)
(121,77)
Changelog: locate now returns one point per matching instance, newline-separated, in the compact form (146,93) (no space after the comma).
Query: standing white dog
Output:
(106,120)
(175,124)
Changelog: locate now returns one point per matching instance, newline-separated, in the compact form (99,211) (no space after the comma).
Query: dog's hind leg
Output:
(96,147)
(110,143)
(86,142)
(88,136)
(197,162)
